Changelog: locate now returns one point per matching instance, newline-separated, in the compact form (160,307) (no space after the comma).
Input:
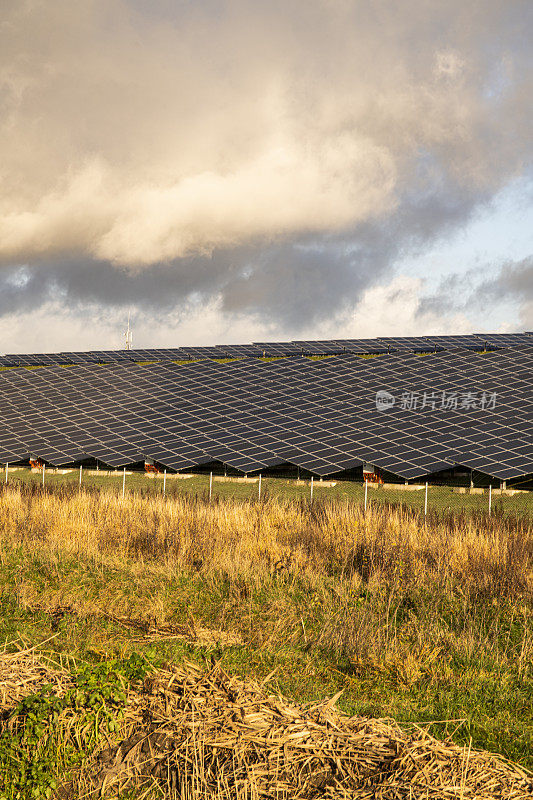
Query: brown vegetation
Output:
(417,621)
(196,734)
(359,572)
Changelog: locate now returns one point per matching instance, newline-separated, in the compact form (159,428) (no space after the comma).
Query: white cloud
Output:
(136,137)
(449,64)
(392,310)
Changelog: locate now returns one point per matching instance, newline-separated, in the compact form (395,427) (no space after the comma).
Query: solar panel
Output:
(380,345)
(362,346)
(505,339)
(416,344)
(280,349)
(320,347)
(465,342)
(318,415)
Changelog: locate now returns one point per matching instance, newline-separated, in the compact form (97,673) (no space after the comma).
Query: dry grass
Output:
(188,733)
(356,572)
(488,556)
(432,617)
(210,735)
(23,673)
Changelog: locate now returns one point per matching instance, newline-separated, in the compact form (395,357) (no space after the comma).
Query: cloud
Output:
(514,282)
(395,307)
(459,292)
(272,157)
(391,307)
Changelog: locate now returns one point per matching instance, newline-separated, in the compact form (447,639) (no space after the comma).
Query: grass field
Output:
(424,623)
(441,499)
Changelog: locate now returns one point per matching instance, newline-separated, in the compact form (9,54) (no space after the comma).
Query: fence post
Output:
(7,468)
(124,483)
(81,468)
(43,473)
(164,483)
(366,493)
(210,486)
(259,488)
(490,498)
(311,488)
(426,501)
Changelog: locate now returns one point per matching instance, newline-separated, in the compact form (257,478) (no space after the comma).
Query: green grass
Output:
(489,695)
(441,499)
(428,625)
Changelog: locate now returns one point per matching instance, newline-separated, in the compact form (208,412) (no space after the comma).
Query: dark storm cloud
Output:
(300,281)
(280,282)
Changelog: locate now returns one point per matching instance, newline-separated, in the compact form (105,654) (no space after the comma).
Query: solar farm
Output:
(291,570)
(448,409)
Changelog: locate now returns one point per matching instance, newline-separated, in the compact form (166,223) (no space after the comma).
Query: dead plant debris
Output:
(218,736)
(24,673)
(193,733)
(149,629)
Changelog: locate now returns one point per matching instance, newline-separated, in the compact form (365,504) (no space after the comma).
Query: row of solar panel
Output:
(415,344)
(407,415)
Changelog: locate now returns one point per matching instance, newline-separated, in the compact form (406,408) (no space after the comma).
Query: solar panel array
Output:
(383,344)
(451,407)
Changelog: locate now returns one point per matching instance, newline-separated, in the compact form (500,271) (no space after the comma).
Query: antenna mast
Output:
(128,335)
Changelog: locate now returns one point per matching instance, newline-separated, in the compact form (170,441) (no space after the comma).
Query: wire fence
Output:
(424,498)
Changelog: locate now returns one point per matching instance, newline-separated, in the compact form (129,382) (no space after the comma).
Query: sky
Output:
(249,170)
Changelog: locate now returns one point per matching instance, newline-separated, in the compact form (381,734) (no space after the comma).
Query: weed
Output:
(47,734)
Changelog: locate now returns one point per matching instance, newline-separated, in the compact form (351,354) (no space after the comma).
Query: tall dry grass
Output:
(382,589)
(483,556)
